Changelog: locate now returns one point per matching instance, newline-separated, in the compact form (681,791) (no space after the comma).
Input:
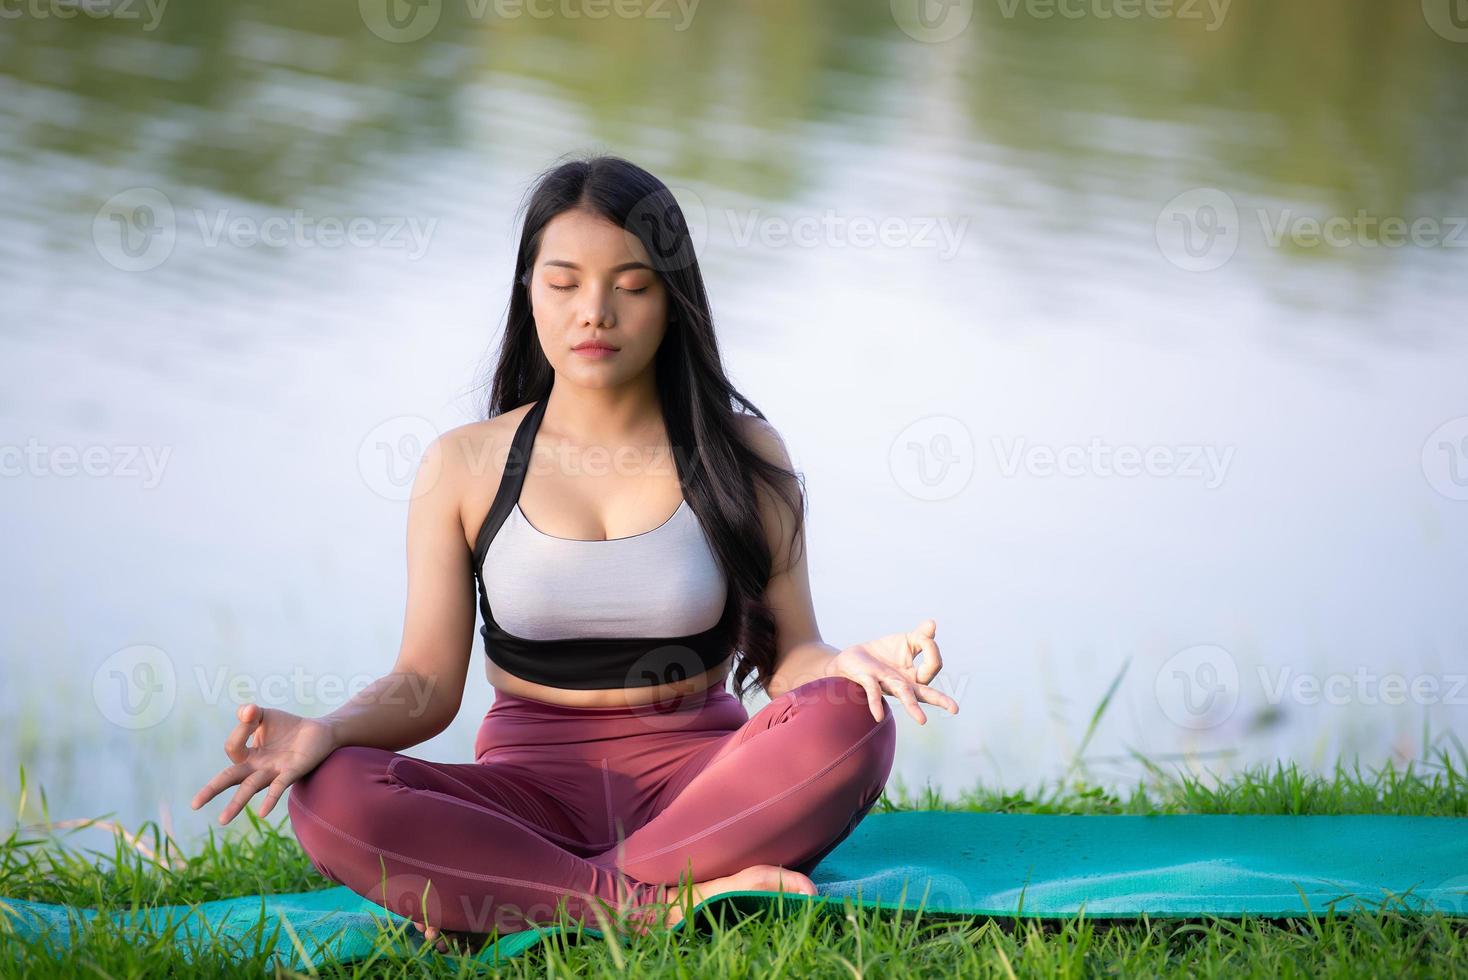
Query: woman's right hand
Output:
(286,747)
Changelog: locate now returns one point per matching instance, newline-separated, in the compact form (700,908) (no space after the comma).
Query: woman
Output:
(615,779)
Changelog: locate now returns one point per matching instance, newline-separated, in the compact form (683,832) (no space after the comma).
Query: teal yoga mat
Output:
(966,864)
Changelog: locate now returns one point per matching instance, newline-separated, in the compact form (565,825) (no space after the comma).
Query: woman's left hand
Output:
(887,663)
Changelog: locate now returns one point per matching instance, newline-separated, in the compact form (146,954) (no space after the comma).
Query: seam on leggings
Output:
(514,818)
(606,785)
(435,867)
(763,803)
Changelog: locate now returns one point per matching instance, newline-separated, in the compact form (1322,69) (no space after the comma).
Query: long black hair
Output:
(698,400)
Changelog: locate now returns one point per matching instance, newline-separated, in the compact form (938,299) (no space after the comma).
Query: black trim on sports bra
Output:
(587,663)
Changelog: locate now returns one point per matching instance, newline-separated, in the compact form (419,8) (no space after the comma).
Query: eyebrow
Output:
(616,268)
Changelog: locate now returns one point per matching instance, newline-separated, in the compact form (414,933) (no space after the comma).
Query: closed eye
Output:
(623,288)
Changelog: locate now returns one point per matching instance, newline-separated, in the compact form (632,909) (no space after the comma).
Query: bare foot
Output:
(448,942)
(759,878)
(433,935)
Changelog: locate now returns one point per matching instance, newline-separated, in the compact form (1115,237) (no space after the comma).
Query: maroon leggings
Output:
(596,811)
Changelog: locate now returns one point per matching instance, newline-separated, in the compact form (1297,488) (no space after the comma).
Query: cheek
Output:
(649,322)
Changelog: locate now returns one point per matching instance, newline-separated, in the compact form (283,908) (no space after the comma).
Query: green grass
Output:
(147,868)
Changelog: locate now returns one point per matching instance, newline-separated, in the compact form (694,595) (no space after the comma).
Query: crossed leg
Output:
(484,846)
(499,852)
(784,789)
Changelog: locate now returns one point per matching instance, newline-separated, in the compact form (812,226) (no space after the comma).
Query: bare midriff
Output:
(615,697)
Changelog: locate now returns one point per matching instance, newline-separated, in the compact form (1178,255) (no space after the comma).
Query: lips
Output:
(594,345)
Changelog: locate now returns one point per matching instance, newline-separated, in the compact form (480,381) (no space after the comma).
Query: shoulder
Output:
(475,451)
(759,435)
(774,498)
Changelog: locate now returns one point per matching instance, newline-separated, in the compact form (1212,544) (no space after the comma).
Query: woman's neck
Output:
(603,416)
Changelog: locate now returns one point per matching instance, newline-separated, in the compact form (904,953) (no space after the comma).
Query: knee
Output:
(846,723)
(335,795)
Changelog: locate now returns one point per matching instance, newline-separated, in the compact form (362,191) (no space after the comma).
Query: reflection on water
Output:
(249,249)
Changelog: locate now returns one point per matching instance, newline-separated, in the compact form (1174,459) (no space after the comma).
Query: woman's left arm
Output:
(801,655)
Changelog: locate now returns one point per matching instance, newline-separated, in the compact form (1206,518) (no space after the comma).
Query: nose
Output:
(595,310)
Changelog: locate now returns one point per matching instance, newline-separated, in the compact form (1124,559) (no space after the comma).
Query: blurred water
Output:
(933,260)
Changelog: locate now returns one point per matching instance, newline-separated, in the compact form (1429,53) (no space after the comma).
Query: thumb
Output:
(928,626)
(248,712)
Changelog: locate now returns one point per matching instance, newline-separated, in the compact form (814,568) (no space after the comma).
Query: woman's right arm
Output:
(419,697)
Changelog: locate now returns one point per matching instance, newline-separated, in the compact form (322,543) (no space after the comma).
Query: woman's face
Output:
(593,280)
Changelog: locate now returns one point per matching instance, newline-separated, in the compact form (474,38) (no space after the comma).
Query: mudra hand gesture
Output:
(887,664)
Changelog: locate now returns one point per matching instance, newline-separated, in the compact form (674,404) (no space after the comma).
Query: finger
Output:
(909,651)
(874,695)
(934,696)
(274,792)
(902,690)
(250,716)
(248,788)
(932,659)
(225,778)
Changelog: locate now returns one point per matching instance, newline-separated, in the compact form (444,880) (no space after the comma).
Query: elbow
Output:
(430,701)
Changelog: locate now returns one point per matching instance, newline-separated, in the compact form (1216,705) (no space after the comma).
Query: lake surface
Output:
(1109,342)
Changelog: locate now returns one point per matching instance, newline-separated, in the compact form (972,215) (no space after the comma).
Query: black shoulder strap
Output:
(517,463)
